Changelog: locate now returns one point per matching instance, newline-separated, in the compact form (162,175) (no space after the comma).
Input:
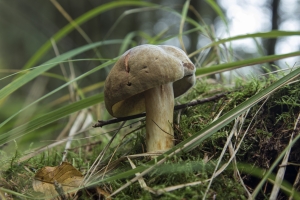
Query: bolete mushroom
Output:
(147,78)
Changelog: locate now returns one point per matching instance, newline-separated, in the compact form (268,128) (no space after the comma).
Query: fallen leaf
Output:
(58,181)
(103,193)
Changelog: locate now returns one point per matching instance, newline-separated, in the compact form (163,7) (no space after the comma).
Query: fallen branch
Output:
(101,123)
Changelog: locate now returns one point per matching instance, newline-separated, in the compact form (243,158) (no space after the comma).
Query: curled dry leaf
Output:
(62,182)
(58,181)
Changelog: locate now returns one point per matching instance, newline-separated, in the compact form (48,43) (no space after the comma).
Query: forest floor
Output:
(217,169)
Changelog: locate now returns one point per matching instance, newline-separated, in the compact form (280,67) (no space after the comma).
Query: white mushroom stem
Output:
(159,118)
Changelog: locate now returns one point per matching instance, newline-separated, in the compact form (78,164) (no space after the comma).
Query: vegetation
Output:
(240,146)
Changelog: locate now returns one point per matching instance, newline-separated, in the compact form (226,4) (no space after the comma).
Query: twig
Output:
(101,123)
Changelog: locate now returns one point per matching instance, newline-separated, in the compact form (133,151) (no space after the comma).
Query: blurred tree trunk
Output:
(193,36)
(271,43)
(205,12)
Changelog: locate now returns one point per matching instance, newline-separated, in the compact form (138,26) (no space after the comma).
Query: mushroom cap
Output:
(142,68)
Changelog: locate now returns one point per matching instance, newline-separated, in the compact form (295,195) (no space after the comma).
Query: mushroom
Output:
(147,78)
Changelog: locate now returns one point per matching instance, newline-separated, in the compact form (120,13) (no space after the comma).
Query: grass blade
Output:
(270,34)
(59,88)
(80,20)
(50,117)
(242,63)
(22,80)
(183,18)
(218,10)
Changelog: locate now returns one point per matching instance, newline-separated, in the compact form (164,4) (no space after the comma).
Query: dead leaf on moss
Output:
(103,193)
(58,181)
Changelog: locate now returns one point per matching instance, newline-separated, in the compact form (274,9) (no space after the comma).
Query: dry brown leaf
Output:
(57,181)
(103,193)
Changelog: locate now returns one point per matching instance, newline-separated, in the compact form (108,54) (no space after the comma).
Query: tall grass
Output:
(14,136)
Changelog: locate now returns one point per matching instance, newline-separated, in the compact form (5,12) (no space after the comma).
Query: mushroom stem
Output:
(159,103)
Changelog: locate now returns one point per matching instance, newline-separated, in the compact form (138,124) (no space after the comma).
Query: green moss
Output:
(268,133)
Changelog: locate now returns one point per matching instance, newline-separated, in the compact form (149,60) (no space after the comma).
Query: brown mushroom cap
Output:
(142,68)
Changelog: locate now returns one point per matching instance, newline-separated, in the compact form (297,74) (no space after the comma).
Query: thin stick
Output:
(101,123)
